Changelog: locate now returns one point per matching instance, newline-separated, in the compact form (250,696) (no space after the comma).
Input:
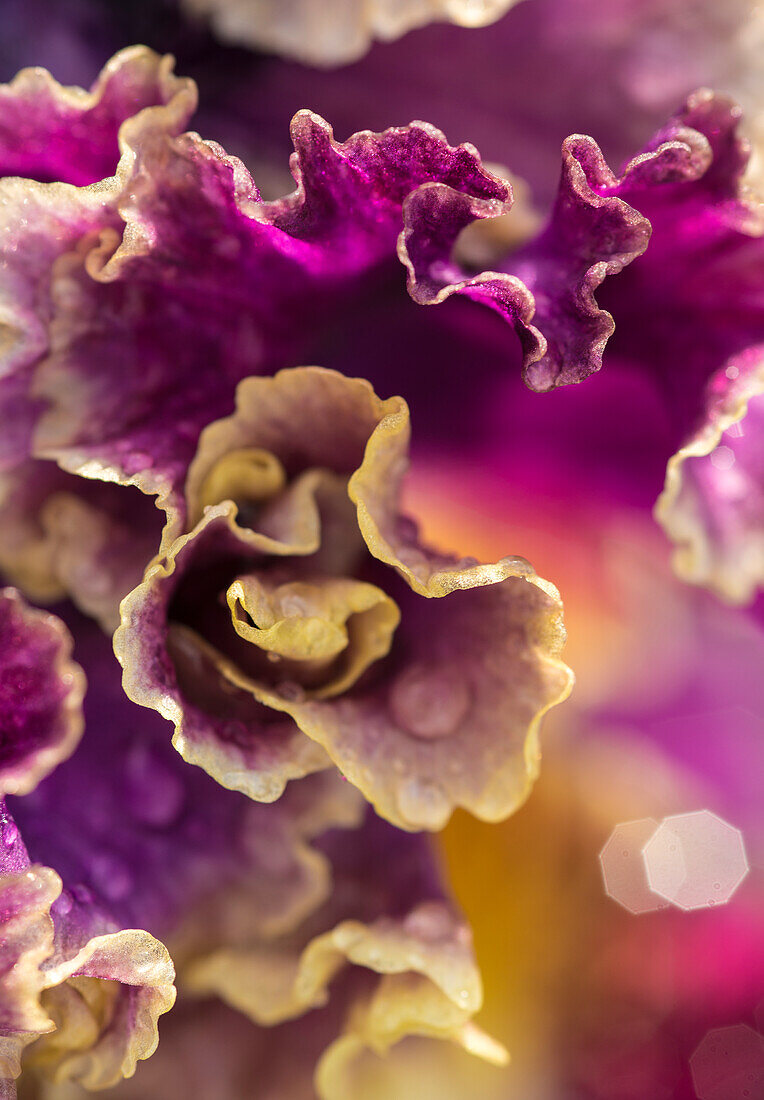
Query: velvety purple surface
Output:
(139,836)
(131,829)
(694,299)
(39,691)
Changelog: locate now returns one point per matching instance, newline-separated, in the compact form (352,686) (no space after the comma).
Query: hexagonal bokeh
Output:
(695,860)
(729,1064)
(623,867)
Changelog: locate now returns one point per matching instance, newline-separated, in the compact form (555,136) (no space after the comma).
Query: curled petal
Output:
(27,942)
(547,291)
(443,714)
(51,133)
(218,725)
(703,264)
(41,692)
(81,1008)
(375,489)
(65,536)
(105,1002)
(159,845)
(331,33)
(194,225)
(712,506)
(299,422)
(402,1006)
(46,215)
(315,622)
(457,724)
(427,983)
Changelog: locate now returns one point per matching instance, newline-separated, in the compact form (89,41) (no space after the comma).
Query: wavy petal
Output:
(243,281)
(79,1006)
(457,723)
(409,941)
(48,133)
(444,714)
(335,33)
(170,668)
(712,506)
(41,692)
(145,846)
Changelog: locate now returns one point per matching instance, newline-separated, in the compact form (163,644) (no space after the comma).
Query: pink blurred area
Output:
(666,717)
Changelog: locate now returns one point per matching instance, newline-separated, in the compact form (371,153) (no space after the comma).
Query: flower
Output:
(62,177)
(260,905)
(275,604)
(280,608)
(89,994)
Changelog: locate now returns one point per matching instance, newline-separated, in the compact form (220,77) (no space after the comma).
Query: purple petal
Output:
(41,691)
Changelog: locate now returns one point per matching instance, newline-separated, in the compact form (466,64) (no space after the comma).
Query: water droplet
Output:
(155,791)
(429,702)
(430,921)
(291,691)
(64,903)
(111,876)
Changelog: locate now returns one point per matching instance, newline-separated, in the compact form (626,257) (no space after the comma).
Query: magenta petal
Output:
(41,692)
(210,285)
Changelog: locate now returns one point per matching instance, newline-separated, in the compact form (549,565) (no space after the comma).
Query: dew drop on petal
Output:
(429,703)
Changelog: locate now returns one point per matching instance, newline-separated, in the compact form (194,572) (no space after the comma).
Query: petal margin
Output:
(41,693)
(218,725)
(246,282)
(331,33)
(76,1006)
(712,506)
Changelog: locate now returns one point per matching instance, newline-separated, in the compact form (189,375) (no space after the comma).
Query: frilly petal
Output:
(330,33)
(152,843)
(272,986)
(48,133)
(689,311)
(443,714)
(52,133)
(404,968)
(41,693)
(305,419)
(712,506)
(457,723)
(692,302)
(194,225)
(76,1006)
(27,942)
(124,982)
(218,725)
(402,1006)
(551,282)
